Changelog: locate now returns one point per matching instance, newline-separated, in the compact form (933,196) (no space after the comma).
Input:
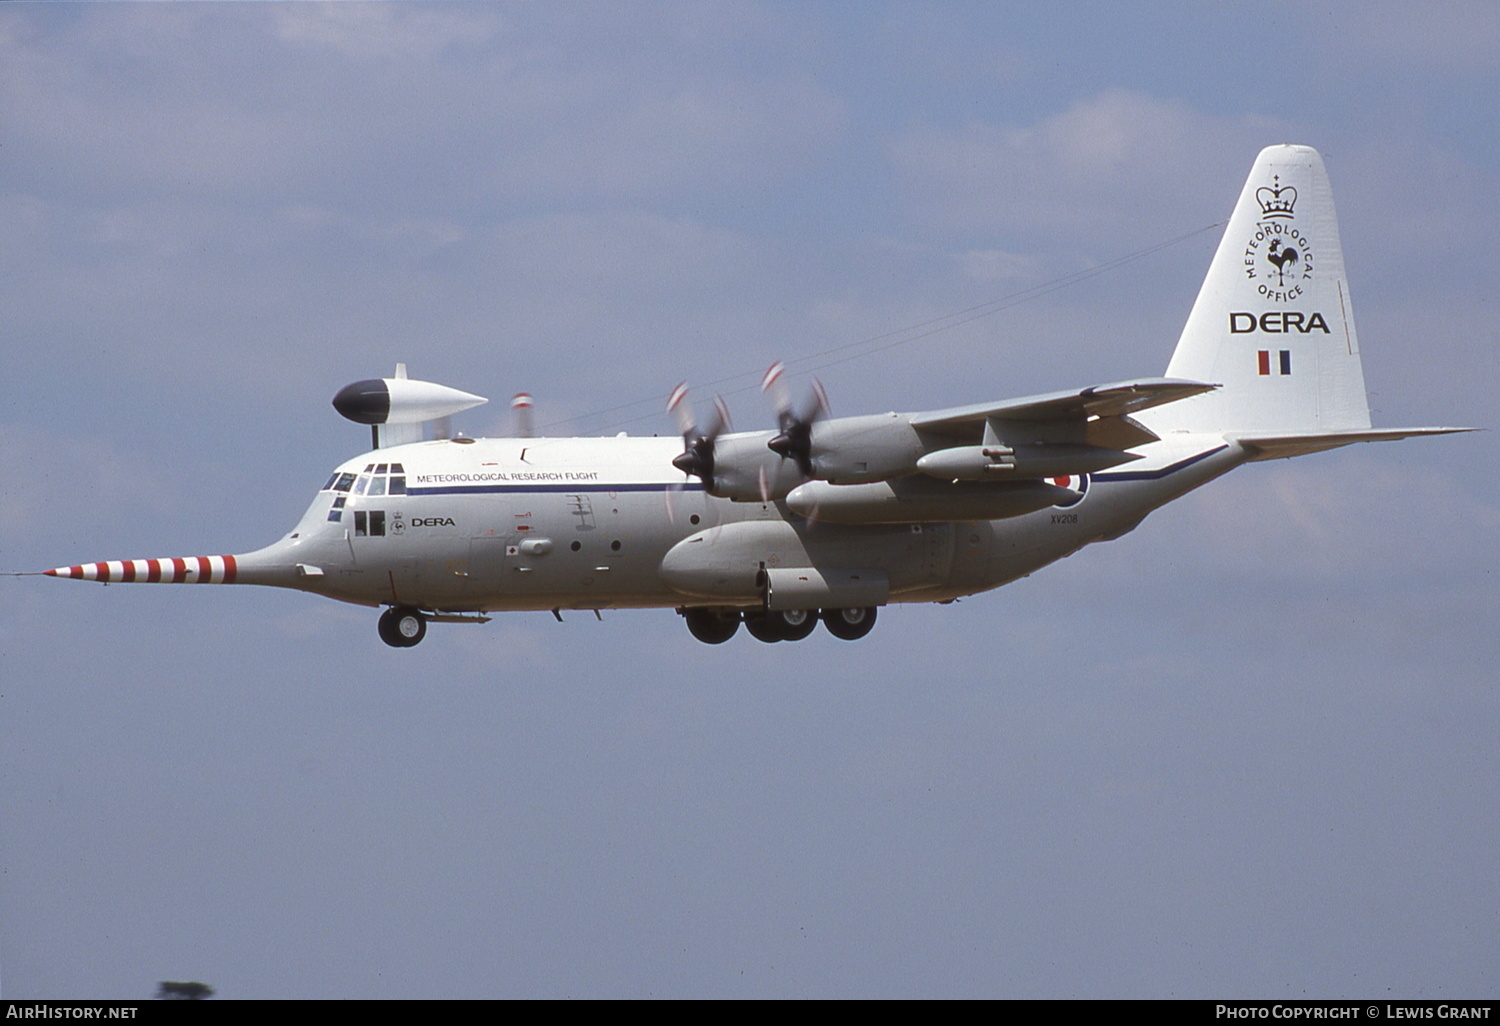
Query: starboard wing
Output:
(1114,400)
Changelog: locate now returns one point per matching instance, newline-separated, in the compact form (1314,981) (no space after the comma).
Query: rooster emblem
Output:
(1281,258)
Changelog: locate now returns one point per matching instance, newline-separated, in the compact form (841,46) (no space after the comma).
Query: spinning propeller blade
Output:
(697,457)
(794,440)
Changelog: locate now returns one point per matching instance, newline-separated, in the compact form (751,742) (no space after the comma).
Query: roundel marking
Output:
(1076,482)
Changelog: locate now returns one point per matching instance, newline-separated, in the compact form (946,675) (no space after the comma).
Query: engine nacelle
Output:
(851,450)
(746,471)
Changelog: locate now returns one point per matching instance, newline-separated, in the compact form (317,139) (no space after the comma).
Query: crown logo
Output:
(1278,200)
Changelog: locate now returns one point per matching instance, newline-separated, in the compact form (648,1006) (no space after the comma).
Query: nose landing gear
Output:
(402,626)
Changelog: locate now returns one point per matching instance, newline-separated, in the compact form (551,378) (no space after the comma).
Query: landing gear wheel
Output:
(765,627)
(711,626)
(402,626)
(849,624)
(796,624)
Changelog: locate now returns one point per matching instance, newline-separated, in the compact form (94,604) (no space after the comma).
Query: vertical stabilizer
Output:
(1273,324)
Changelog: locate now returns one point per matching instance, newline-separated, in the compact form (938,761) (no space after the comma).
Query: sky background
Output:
(1251,750)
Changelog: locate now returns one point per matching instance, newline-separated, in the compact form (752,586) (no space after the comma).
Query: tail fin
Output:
(1273,324)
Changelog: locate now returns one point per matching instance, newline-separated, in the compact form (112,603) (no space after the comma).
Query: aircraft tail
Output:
(1273,325)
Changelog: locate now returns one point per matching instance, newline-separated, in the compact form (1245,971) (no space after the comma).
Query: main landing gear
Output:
(402,626)
(716,626)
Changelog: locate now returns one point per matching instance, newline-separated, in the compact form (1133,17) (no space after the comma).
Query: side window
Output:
(368,523)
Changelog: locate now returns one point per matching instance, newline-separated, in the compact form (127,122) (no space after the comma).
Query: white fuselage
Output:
(587,523)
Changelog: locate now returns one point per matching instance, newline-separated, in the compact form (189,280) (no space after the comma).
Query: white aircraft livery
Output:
(828,519)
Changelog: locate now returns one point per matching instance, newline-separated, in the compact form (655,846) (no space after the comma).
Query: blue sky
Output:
(1249,749)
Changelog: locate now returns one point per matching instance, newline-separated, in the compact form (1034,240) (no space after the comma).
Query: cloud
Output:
(994,265)
(57,484)
(334,104)
(1103,168)
(1441,37)
(385,31)
(1308,512)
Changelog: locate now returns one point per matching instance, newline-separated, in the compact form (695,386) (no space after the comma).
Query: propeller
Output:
(794,440)
(697,457)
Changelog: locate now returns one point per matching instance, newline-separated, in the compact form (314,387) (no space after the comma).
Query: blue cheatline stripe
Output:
(570,489)
(1156,475)
(591,487)
(1286,361)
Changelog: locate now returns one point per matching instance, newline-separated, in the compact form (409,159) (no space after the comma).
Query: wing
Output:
(1055,435)
(1117,400)
(1099,415)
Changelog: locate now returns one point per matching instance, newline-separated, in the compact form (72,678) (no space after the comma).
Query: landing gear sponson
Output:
(716,626)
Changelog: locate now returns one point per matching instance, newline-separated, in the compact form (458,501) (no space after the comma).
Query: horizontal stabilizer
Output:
(1116,400)
(1277,447)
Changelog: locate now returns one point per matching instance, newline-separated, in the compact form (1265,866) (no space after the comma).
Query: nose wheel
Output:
(402,626)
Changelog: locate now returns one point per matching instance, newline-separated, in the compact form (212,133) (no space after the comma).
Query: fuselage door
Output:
(491,552)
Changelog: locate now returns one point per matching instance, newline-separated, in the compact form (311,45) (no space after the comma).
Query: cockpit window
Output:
(398,485)
(377,486)
(331,480)
(343,483)
(380,469)
(397,468)
(359,486)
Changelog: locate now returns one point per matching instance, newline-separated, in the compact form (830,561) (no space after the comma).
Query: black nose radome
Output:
(364,402)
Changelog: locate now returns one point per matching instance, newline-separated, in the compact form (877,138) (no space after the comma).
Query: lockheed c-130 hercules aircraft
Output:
(828,519)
